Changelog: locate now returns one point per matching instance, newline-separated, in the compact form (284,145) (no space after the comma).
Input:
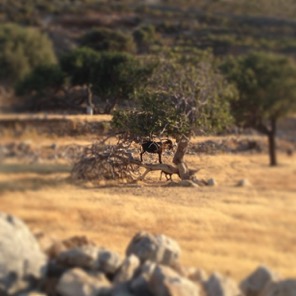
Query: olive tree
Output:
(267,92)
(182,97)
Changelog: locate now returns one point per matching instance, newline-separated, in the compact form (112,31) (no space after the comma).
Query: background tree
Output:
(21,50)
(267,92)
(80,65)
(41,80)
(111,76)
(117,77)
(41,86)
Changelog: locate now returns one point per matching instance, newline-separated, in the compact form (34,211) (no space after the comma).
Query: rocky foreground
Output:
(77,267)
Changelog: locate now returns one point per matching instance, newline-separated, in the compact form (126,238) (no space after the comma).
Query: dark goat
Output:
(156,147)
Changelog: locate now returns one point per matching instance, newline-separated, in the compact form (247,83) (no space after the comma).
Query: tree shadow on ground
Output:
(23,177)
(33,184)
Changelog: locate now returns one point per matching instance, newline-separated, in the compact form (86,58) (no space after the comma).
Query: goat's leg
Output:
(169,177)
(161,175)
(141,155)
(159,157)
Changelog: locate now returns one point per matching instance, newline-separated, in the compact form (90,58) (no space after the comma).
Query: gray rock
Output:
(243,183)
(156,248)
(21,262)
(218,285)
(255,283)
(187,183)
(121,289)
(83,257)
(91,258)
(212,182)
(76,282)
(197,275)
(127,269)
(166,282)
(140,284)
(107,261)
(281,288)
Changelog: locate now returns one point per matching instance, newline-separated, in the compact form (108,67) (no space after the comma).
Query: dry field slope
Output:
(226,228)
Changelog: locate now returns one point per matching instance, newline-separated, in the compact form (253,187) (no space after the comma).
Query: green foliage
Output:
(117,77)
(157,115)
(112,76)
(80,65)
(104,39)
(41,81)
(145,37)
(21,50)
(266,84)
(180,98)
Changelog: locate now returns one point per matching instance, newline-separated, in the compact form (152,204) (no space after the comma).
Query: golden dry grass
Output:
(30,116)
(225,228)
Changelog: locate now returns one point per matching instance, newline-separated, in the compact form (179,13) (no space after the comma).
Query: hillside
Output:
(224,26)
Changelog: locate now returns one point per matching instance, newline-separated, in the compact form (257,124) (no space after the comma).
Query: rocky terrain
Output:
(151,267)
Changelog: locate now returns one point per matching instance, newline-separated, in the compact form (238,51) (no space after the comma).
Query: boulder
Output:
(22,264)
(57,246)
(140,283)
(281,288)
(76,282)
(127,269)
(157,248)
(108,261)
(197,275)
(218,285)
(255,283)
(84,257)
(122,289)
(166,282)
(90,257)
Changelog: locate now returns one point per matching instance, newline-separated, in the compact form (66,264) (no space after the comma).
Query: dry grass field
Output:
(224,228)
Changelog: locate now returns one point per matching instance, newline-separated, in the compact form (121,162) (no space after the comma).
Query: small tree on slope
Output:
(267,92)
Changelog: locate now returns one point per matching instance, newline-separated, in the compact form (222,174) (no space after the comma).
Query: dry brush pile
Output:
(115,162)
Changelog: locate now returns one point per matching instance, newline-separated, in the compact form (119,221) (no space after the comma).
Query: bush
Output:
(22,50)
(103,39)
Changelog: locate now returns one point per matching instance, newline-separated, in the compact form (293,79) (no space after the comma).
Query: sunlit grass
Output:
(226,228)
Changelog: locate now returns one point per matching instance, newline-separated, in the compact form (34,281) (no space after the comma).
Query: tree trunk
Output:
(90,105)
(178,159)
(272,143)
(110,105)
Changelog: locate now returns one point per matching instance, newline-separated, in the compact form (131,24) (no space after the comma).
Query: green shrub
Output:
(104,39)
(22,50)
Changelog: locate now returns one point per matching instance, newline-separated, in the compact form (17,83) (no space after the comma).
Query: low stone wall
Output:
(53,126)
(150,267)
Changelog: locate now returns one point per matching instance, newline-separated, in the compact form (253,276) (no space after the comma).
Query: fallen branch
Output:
(101,162)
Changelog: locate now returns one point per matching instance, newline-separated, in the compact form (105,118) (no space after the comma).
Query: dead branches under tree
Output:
(117,162)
